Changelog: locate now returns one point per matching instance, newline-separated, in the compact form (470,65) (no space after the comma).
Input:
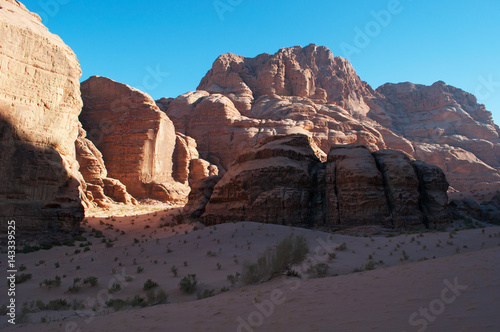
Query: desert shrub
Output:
(206,293)
(319,270)
(56,282)
(341,247)
(161,297)
(188,284)
(370,265)
(115,288)
(59,304)
(116,304)
(138,301)
(23,277)
(149,284)
(92,281)
(292,250)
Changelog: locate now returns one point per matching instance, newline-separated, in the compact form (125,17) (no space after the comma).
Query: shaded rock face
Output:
(306,90)
(200,194)
(136,139)
(289,180)
(39,106)
(101,190)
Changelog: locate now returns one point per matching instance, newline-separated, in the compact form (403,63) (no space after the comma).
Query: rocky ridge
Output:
(307,90)
(287,179)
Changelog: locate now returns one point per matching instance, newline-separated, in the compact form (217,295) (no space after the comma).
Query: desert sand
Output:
(410,273)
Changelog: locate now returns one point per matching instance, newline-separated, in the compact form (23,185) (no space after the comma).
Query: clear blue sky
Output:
(419,41)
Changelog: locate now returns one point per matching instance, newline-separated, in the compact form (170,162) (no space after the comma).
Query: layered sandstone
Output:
(39,106)
(137,140)
(101,190)
(309,91)
(289,180)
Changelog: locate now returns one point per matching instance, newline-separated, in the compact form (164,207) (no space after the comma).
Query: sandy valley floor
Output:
(433,281)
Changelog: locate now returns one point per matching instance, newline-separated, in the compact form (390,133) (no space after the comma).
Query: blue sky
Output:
(166,47)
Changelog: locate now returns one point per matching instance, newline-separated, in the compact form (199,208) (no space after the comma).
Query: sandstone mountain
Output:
(138,143)
(289,180)
(309,91)
(39,105)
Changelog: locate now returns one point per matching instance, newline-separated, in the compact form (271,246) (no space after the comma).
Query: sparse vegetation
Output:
(341,247)
(275,261)
(206,293)
(188,284)
(56,282)
(149,284)
(319,270)
(116,287)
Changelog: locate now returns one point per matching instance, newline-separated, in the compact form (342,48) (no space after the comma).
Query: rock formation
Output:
(39,106)
(289,180)
(101,190)
(309,91)
(136,139)
(139,144)
(448,128)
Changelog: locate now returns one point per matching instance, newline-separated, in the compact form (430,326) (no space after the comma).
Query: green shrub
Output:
(319,270)
(114,288)
(292,250)
(92,281)
(341,247)
(174,270)
(56,282)
(149,284)
(188,284)
(370,265)
(116,304)
(23,277)
(206,293)
(59,304)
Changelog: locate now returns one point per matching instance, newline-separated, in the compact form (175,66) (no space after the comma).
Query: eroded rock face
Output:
(269,183)
(289,180)
(446,123)
(137,140)
(39,106)
(309,91)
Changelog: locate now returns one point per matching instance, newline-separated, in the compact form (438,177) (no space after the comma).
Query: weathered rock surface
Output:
(200,194)
(95,174)
(451,125)
(309,91)
(137,140)
(39,106)
(289,180)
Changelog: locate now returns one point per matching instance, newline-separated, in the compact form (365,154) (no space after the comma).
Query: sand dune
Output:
(410,272)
